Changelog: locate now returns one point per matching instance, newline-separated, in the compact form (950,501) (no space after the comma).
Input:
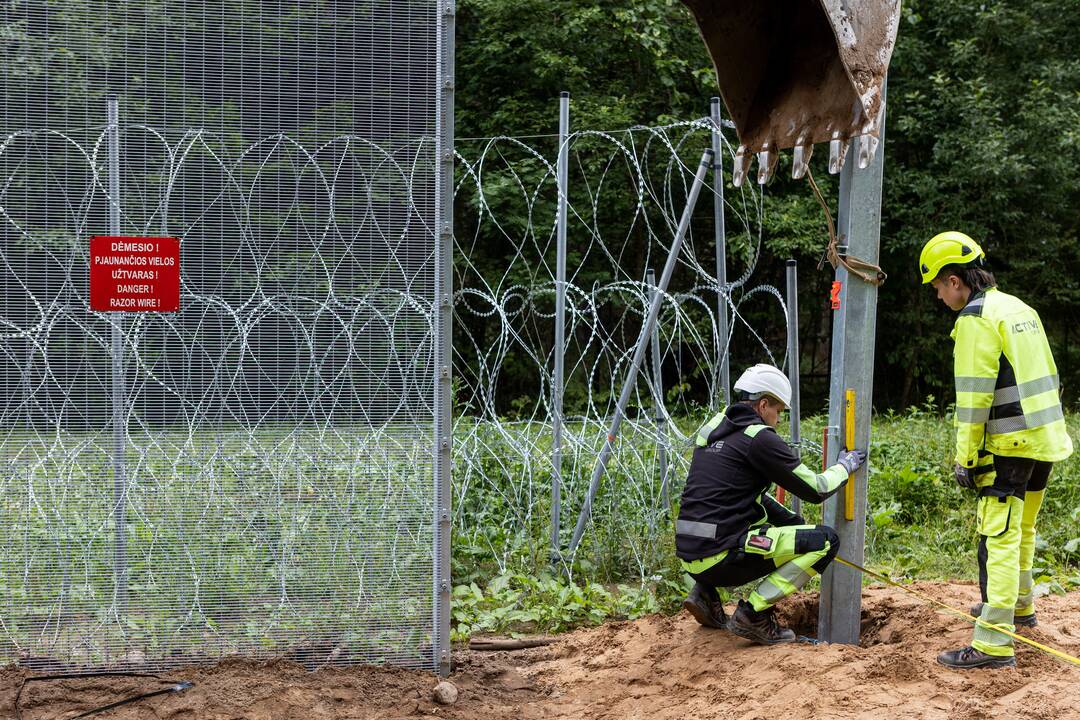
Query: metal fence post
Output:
(658,399)
(793,361)
(119,394)
(721,250)
(852,366)
(444,287)
(639,351)
(560,326)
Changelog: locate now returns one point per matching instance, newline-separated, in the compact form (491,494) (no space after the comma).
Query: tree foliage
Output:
(983,135)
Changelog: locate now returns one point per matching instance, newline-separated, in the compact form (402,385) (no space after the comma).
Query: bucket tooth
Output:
(767,158)
(868,145)
(869,140)
(741,166)
(801,160)
(838,148)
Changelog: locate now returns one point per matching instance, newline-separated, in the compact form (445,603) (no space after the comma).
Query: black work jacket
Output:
(730,474)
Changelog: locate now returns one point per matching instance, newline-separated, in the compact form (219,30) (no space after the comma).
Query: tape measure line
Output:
(1027,641)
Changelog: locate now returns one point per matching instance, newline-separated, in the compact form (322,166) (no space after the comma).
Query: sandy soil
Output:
(658,667)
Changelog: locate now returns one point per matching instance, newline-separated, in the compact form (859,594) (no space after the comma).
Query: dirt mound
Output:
(656,667)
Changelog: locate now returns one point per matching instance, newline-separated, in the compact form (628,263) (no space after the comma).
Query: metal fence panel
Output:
(272,489)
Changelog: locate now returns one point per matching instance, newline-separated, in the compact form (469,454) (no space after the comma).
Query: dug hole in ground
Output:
(663,667)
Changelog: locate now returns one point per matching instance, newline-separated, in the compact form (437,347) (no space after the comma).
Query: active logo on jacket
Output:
(1022,327)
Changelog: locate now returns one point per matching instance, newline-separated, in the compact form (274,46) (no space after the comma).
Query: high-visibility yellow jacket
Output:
(1007,400)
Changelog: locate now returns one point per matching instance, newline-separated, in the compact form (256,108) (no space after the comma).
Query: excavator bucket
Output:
(793,73)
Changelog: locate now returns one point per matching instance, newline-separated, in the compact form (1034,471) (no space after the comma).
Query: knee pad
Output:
(817,539)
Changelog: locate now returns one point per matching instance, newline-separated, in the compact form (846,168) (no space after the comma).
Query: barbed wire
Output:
(626,192)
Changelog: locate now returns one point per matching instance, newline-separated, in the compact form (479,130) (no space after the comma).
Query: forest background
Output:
(983,135)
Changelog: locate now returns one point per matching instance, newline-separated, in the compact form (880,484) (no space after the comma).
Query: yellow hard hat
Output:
(947,248)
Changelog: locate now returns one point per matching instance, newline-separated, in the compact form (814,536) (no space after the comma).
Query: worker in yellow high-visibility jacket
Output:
(1010,429)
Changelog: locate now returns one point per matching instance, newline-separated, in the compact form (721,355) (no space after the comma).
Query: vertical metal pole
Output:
(444,281)
(854,324)
(793,360)
(720,231)
(119,401)
(639,351)
(560,327)
(658,399)
(833,511)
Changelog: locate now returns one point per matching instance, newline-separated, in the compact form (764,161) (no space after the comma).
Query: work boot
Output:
(1018,620)
(760,627)
(704,604)
(968,658)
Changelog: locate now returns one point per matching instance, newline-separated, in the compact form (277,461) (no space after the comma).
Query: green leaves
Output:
(624,64)
(885,516)
(982,100)
(518,603)
(983,134)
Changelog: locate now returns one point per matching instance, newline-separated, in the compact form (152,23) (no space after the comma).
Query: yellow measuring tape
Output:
(1027,641)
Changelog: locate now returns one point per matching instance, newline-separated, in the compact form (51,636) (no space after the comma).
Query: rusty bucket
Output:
(793,73)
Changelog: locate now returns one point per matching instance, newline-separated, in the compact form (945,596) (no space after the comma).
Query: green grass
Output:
(920,526)
(251,540)
(235,542)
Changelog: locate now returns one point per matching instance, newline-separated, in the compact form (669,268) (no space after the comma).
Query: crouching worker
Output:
(730,531)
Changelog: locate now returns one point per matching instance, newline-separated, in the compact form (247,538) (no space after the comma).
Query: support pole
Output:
(557,383)
(793,361)
(722,327)
(854,325)
(639,350)
(119,399)
(443,336)
(658,399)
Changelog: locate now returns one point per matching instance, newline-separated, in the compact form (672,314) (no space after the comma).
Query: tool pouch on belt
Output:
(994,513)
(759,543)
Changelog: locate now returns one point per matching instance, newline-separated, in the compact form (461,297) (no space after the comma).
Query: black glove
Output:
(965,477)
(852,460)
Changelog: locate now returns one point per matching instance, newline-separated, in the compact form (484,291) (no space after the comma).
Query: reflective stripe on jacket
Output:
(1007,400)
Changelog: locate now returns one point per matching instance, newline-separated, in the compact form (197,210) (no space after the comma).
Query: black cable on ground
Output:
(175,686)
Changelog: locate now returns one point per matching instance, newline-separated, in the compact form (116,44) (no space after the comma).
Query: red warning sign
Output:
(134,274)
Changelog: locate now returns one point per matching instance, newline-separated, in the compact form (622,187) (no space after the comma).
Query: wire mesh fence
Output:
(274,488)
(255,472)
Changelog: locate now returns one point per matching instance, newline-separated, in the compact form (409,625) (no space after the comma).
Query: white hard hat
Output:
(765,379)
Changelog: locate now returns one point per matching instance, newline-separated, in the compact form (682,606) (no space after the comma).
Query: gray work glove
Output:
(852,460)
(965,478)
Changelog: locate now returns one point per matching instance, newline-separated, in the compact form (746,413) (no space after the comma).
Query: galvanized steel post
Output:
(639,351)
(793,361)
(444,281)
(560,327)
(659,417)
(720,232)
(852,366)
(119,392)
